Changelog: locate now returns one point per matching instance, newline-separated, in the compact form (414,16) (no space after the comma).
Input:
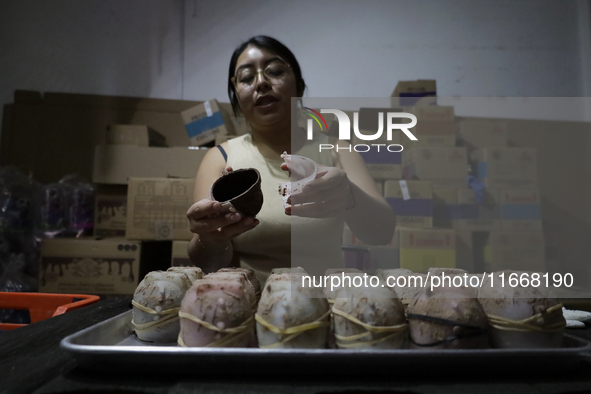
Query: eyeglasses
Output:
(275,73)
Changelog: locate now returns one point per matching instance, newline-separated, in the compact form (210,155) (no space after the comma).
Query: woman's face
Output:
(264,101)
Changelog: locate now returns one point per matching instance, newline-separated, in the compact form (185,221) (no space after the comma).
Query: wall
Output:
(112,47)
(353,48)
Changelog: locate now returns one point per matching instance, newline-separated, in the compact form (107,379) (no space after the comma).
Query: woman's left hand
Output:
(326,196)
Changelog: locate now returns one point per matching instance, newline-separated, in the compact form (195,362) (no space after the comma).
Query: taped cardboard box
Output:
(477,134)
(383,159)
(435,127)
(180,254)
(478,215)
(413,209)
(465,251)
(369,257)
(138,135)
(445,167)
(204,121)
(519,251)
(505,168)
(115,164)
(421,249)
(110,213)
(410,92)
(520,210)
(56,134)
(445,206)
(157,208)
(349,239)
(88,266)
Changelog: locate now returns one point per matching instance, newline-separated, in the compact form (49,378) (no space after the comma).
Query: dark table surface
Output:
(31,361)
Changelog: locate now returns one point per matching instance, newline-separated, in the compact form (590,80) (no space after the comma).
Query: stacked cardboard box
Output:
(144,191)
(411,92)
(443,167)
(381,163)
(437,191)
(515,250)
(435,127)
(90,266)
(412,201)
(477,134)
(206,121)
(359,255)
(504,168)
(421,249)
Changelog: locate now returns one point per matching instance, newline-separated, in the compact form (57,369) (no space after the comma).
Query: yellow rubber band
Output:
(295,329)
(292,332)
(370,328)
(505,324)
(351,340)
(144,308)
(345,345)
(145,326)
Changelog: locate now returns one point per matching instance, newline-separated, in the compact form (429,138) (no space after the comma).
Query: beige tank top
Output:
(281,240)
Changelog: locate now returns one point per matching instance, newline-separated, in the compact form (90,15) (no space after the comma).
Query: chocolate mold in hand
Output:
(241,188)
(302,170)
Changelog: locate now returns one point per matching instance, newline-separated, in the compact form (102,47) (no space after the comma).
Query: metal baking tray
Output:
(112,346)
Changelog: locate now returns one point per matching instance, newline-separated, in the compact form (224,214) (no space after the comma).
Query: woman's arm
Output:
(371,219)
(213,225)
(347,190)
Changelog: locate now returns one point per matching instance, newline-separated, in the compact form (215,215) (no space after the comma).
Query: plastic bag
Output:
(80,202)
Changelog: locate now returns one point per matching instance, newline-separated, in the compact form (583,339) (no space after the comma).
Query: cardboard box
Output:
(473,215)
(369,257)
(115,164)
(435,127)
(204,121)
(138,135)
(421,249)
(368,124)
(415,212)
(380,186)
(464,251)
(445,207)
(110,212)
(157,208)
(445,167)
(382,161)
(520,210)
(180,254)
(410,92)
(477,134)
(88,266)
(505,168)
(56,134)
(520,251)
(349,239)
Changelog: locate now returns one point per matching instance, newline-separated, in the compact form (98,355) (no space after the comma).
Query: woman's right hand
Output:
(217,224)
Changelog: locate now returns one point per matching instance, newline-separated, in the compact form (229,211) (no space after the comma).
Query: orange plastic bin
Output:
(42,306)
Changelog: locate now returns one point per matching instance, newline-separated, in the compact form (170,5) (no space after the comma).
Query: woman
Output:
(263,77)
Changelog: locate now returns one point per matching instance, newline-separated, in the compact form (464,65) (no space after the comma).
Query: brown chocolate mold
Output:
(242,188)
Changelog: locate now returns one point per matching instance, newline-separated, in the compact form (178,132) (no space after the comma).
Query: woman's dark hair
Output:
(271,45)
